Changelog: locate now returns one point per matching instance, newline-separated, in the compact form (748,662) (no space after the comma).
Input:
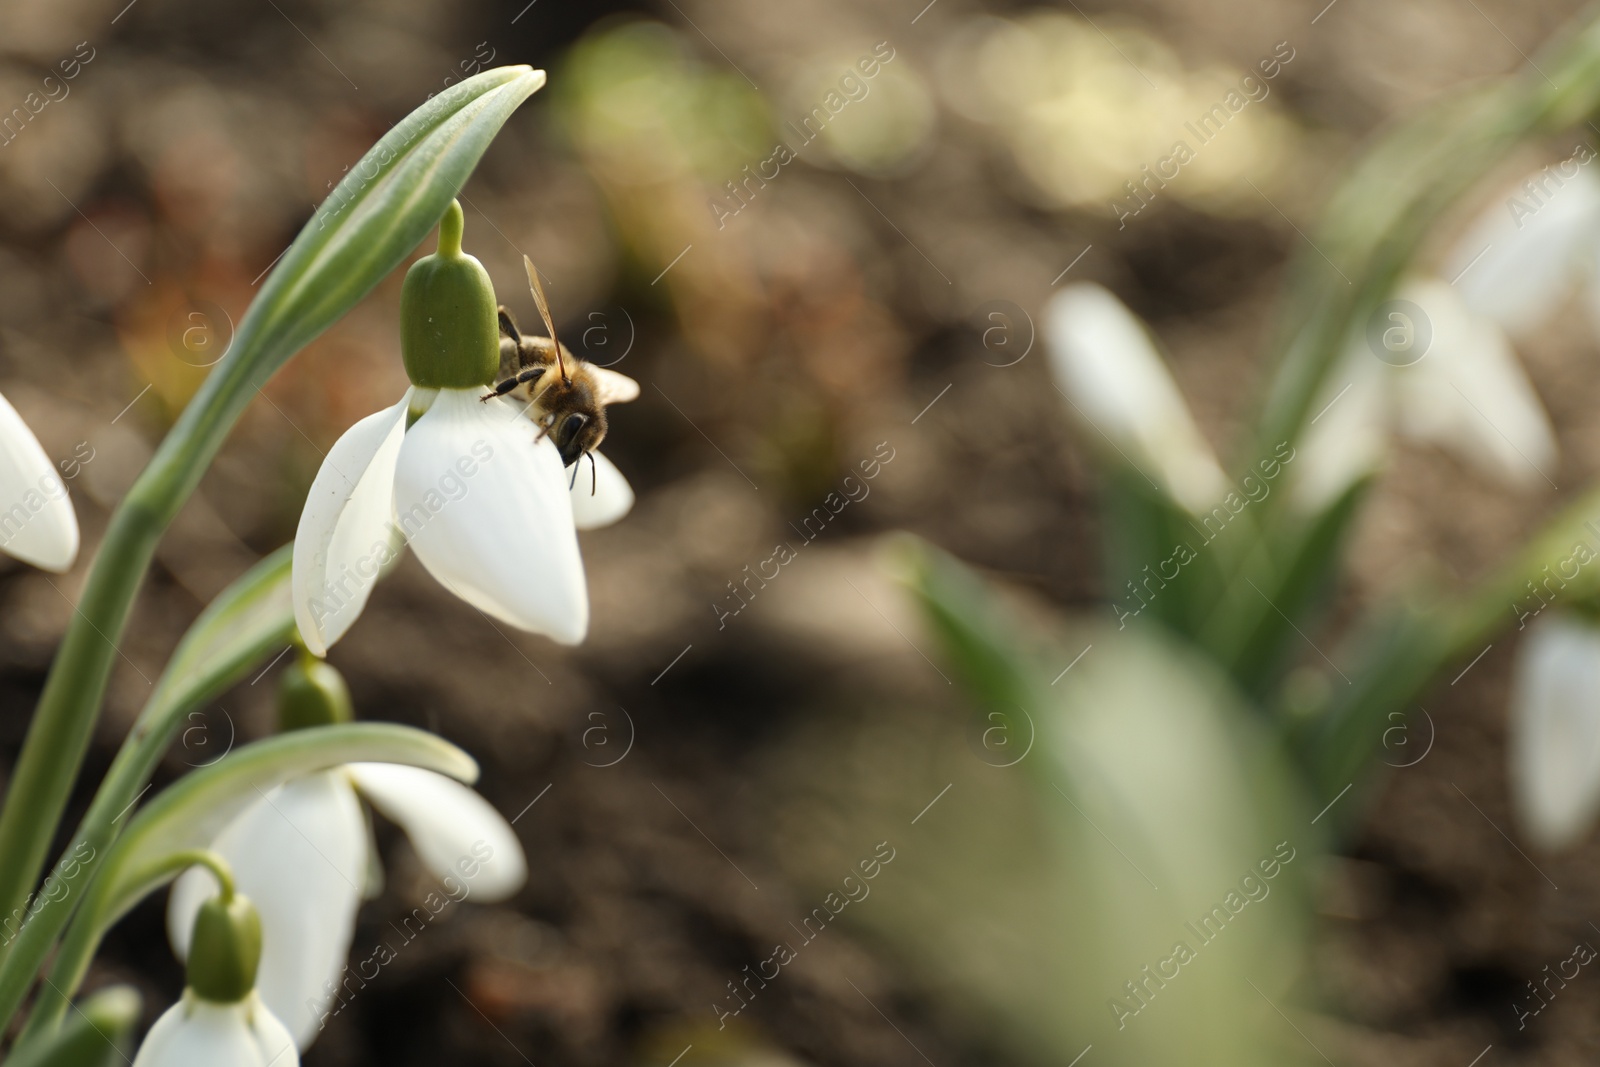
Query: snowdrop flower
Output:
(303,854)
(473,486)
(1434,371)
(220,1021)
(1111,374)
(1554,743)
(1525,255)
(200,1033)
(37,524)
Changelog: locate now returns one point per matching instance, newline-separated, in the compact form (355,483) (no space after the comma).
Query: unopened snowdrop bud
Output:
(312,693)
(1117,383)
(1554,743)
(225,948)
(220,1020)
(449,329)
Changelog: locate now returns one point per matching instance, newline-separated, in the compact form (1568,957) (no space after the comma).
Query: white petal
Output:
(1348,437)
(1105,363)
(603,497)
(300,854)
(37,524)
(344,534)
(1554,742)
(487,511)
(1469,393)
(1522,256)
(457,834)
(200,1033)
(272,1037)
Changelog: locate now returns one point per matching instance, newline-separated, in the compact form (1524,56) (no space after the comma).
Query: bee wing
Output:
(544,313)
(613,388)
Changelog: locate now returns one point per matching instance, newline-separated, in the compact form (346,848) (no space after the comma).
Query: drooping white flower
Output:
(1527,253)
(196,1032)
(1115,380)
(1554,743)
(301,854)
(480,496)
(37,524)
(1460,388)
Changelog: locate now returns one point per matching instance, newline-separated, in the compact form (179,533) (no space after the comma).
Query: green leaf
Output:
(193,811)
(1399,653)
(976,641)
(249,618)
(1154,793)
(1143,529)
(1250,630)
(95,1036)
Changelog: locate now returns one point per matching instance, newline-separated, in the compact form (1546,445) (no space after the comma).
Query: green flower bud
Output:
(449,325)
(312,693)
(225,949)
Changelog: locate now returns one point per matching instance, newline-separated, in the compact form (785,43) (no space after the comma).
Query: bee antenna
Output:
(544,313)
(574,479)
(594,476)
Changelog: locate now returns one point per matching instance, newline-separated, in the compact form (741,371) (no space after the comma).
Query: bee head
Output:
(577,422)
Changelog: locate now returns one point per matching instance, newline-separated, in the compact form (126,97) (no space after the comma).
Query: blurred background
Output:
(820,234)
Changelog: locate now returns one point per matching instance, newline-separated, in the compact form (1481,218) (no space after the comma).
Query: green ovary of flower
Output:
(449,330)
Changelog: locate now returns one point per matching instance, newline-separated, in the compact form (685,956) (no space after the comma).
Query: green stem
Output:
(246,622)
(211,861)
(64,720)
(450,230)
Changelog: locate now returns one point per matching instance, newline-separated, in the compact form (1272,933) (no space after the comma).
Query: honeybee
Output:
(568,404)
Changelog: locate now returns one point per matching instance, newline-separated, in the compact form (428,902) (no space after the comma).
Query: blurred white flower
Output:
(1115,380)
(1437,373)
(1554,743)
(477,492)
(302,855)
(1526,254)
(196,1032)
(37,524)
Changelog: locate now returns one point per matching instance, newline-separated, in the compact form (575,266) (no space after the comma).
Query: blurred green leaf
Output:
(96,1035)
(1153,795)
(1143,531)
(1251,630)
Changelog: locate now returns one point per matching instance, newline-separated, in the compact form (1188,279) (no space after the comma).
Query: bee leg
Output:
(508,325)
(532,374)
